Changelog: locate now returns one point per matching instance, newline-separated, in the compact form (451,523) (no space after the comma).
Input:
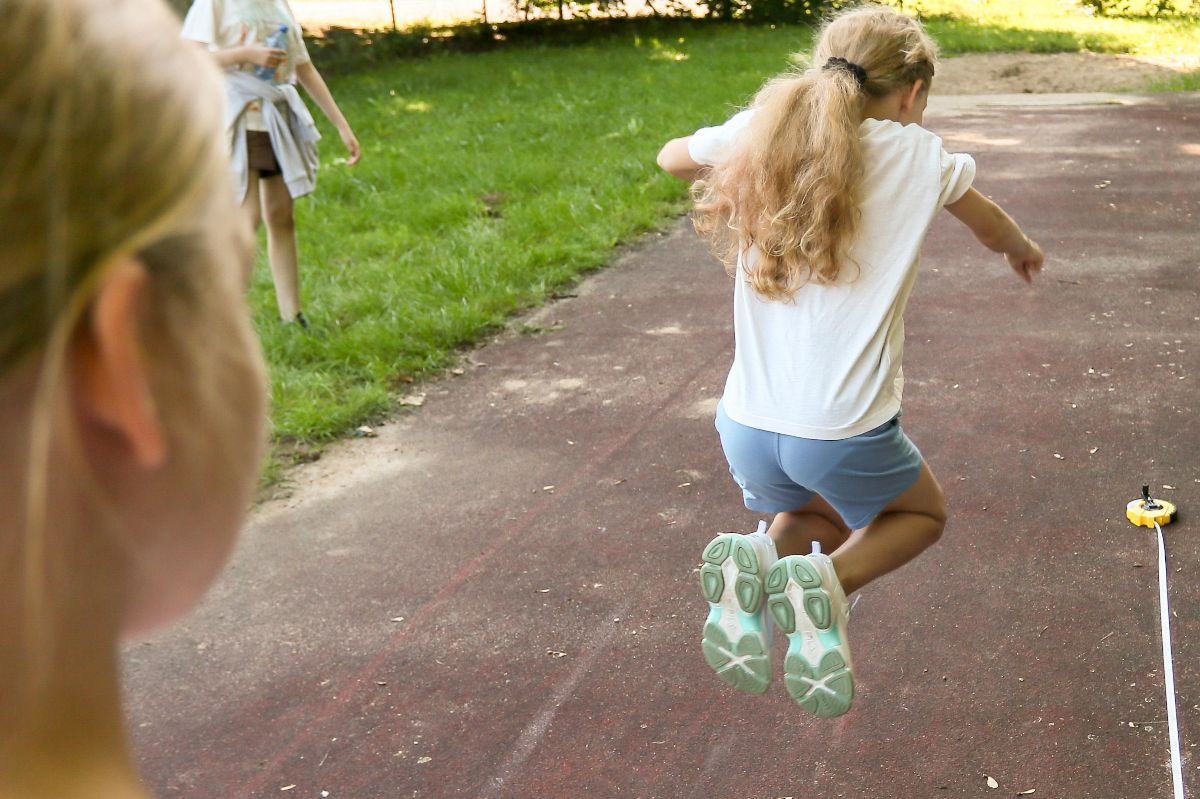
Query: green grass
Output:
(1183,82)
(489,180)
(1186,82)
(1048,26)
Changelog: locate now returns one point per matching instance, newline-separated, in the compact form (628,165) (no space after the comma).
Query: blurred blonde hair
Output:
(789,189)
(111,147)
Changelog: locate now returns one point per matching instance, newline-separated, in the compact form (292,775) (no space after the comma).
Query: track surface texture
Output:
(499,596)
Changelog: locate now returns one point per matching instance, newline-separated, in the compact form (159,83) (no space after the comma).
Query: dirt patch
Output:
(1016,73)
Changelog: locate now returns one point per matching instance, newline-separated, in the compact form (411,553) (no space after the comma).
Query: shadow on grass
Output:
(342,50)
(957,37)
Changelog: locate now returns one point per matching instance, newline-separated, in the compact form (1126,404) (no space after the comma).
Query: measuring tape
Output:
(1148,512)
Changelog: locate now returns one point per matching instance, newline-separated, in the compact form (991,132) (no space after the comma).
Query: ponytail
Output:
(785,202)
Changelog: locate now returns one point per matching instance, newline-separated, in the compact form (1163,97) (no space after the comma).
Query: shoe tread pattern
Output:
(744,663)
(748,588)
(826,688)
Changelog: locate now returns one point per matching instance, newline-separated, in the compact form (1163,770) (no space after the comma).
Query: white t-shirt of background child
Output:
(828,364)
(221,24)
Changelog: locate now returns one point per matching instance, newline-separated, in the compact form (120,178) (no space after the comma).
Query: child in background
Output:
(817,198)
(131,387)
(271,133)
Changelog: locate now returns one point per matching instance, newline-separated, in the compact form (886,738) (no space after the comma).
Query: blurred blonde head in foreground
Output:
(131,387)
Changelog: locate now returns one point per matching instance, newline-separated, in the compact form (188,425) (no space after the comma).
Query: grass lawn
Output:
(1047,26)
(489,180)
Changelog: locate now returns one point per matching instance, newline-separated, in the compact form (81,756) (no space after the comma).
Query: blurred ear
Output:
(908,100)
(112,385)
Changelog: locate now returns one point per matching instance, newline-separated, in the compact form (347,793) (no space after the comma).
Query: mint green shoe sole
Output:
(826,687)
(732,582)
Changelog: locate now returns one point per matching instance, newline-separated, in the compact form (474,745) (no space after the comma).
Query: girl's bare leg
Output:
(905,528)
(279,212)
(250,206)
(794,530)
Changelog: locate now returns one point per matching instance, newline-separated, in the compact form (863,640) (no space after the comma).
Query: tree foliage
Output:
(771,10)
(563,8)
(1145,8)
(750,10)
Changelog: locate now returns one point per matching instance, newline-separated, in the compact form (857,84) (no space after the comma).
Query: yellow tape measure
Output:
(1146,512)
(1149,512)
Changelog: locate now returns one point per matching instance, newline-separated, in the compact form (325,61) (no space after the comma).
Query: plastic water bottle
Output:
(276,41)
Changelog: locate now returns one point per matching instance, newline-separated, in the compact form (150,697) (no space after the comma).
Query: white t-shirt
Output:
(827,365)
(222,24)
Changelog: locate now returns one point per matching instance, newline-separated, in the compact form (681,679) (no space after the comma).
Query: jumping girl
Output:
(270,131)
(817,198)
(131,387)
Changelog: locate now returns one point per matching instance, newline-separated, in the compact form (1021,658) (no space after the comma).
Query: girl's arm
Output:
(676,159)
(270,57)
(999,233)
(314,84)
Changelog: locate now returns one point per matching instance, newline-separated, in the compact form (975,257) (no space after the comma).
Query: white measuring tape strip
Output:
(1168,667)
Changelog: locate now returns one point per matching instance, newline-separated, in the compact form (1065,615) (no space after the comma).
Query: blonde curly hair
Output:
(790,187)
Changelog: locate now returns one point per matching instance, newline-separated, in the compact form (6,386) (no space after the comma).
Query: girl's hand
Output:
(352,147)
(1028,262)
(996,231)
(269,57)
(312,81)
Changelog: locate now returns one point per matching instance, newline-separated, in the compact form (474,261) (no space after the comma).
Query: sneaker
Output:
(806,599)
(737,633)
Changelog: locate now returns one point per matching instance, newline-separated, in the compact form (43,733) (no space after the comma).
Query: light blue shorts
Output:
(858,476)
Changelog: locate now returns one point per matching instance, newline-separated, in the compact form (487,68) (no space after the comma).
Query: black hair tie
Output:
(837,62)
